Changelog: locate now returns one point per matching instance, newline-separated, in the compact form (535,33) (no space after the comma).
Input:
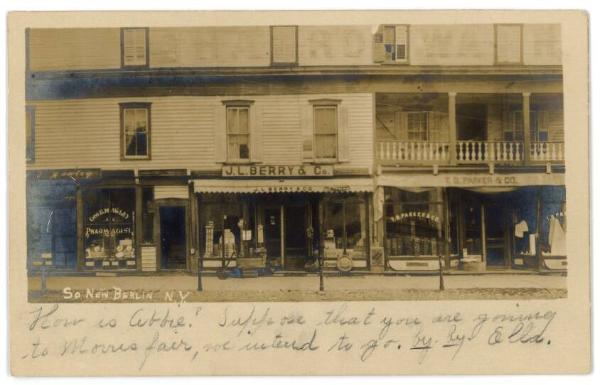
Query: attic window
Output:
(395,41)
(134,47)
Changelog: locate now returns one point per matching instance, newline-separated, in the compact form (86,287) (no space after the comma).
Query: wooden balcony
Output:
(396,152)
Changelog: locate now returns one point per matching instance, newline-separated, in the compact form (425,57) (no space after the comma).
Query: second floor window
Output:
(326,131)
(417,126)
(514,129)
(134,47)
(135,123)
(238,132)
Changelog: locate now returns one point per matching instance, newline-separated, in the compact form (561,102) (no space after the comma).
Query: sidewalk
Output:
(306,288)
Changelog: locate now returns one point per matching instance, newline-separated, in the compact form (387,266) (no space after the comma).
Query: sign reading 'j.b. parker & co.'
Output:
(277,171)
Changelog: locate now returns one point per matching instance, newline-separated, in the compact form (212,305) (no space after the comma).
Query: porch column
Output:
(526,128)
(452,126)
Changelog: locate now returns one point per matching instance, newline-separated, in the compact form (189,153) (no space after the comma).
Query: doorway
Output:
(495,235)
(471,122)
(173,245)
(296,250)
(272,229)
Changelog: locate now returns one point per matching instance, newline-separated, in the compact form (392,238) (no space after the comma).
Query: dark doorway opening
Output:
(272,229)
(471,121)
(495,229)
(172,237)
(296,247)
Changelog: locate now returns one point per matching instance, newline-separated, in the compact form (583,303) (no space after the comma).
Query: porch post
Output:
(452,126)
(526,128)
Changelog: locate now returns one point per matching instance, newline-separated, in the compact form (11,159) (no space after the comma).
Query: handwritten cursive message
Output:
(146,335)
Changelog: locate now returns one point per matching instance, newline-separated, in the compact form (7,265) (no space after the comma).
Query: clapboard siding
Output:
(210,47)
(74,49)
(86,132)
(334,45)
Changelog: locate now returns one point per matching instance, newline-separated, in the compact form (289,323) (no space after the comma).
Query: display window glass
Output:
(413,222)
(345,224)
(109,228)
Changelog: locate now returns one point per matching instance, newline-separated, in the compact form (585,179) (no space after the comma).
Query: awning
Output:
(270,186)
(495,182)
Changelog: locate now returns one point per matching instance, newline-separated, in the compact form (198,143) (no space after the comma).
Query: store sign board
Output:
(470,180)
(67,174)
(277,171)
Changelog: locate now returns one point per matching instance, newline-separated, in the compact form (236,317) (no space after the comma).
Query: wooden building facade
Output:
(374,148)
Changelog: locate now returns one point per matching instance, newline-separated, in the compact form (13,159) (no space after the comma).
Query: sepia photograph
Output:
(299,193)
(382,161)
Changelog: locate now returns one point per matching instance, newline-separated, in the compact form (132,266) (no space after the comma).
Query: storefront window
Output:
(413,222)
(553,219)
(345,224)
(225,232)
(51,224)
(109,228)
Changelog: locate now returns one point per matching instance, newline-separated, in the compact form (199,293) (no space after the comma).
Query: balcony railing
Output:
(402,151)
(547,151)
(470,151)
(467,152)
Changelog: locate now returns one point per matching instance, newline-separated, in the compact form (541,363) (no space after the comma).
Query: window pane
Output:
(326,146)
(325,120)
(232,120)
(243,121)
(147,214)
(334,225)
(356,225)
(136,131)
(131,145)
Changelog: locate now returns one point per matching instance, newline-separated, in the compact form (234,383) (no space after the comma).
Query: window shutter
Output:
(256,139)
(378,47)
(134,46)
(343,145)
(220,134)
(307,133)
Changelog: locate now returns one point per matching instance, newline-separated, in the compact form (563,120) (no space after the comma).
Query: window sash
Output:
(135,135)
(417,125)
(395,41)
(238,133)
(284,45)
(326,132)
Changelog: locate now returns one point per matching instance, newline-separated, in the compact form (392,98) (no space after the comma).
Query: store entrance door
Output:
(295,237)
(495,233)
(272,229)
(172,237)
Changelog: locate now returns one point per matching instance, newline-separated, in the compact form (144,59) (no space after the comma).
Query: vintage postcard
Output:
(356,192)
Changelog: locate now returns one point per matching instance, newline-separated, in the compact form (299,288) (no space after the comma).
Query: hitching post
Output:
(441,272)
(43,278)
(199,271)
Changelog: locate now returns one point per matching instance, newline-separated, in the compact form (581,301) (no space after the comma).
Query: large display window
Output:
(345,225)
(413,222)
(51,224)
(109,228)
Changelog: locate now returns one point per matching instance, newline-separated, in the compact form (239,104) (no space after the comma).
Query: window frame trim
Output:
(326,103)
(283,64)
(239,103)
(521,53)
(147,43)
(133,105)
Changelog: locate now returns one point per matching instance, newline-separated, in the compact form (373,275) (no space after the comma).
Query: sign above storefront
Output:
(471,180)
(89,173)
(277,171)
(334,185)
